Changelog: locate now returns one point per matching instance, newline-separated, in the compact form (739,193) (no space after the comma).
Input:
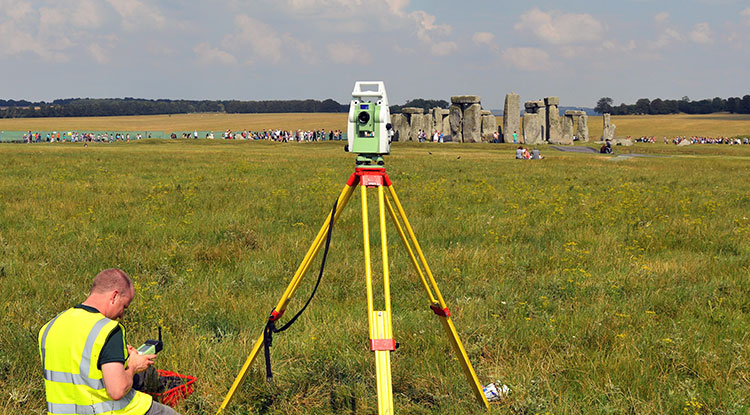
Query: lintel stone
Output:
(465,99)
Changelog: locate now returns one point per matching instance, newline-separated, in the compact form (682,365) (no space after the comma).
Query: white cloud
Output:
(428,30)
(86,14)
(661,17)
(701,34)
(560,28)
(98,53)
(666,37)
(262,39)
(34,31)
(746,16)
(483,38)
(443,48)
(348,53)
(136,14)
(609,45)
(208,55)
(303,49)
(528,59)
(17,10)
(397,6)
(426,26)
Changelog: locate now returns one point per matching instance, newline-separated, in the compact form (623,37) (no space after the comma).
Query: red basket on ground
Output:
(177,387)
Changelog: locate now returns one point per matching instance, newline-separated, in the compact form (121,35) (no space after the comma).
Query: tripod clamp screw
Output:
(275,315)
(442,312)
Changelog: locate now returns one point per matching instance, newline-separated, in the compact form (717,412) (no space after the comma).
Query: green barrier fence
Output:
(19,136)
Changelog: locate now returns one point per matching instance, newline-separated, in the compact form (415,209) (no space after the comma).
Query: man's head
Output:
(111,293)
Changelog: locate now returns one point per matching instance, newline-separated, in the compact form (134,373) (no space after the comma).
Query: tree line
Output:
(734,105)
(95,107)
(90,107)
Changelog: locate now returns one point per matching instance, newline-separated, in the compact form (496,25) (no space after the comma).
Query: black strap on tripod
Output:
(271,324)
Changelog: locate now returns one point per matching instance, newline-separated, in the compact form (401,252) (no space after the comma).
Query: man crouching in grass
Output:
(88,366)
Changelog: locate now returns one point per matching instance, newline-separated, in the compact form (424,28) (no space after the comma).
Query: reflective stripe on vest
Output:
(97,408)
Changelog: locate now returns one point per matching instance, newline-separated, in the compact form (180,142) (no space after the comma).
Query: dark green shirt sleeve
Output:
(114,348)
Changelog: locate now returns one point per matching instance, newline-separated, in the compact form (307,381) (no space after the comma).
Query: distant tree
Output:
(718,105)
(642,106)
(604,105)
(657,107)
(733,105)
(745,105)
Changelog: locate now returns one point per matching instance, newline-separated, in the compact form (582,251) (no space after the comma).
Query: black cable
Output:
(271,324)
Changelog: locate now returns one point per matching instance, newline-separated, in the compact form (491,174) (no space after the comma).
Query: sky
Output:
(433,49)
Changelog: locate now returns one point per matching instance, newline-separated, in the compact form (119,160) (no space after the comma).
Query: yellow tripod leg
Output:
(381,333)
(342,201)
(445,319)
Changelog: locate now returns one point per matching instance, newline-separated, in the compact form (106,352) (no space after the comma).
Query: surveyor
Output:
(88,365)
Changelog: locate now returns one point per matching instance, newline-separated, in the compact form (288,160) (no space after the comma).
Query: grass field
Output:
(713,125)
(586,283)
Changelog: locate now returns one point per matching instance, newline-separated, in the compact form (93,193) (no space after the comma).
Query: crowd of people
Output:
(279,135)
(75,136)
(695,140)
(522,153)
(435,137)
(308,136)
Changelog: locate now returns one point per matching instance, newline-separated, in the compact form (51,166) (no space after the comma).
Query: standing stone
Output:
(437,120)
(608,129)
(414,118)
(511,117)
(489,126)
(583,128)
(400,127)
(472,124)
(447,125)
(567,130)
(542,111)
(456,123)
(532,129)
(553,122)
(416,123)
(428,127)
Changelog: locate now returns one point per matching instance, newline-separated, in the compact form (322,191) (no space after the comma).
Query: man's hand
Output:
(139,362)
(119,380)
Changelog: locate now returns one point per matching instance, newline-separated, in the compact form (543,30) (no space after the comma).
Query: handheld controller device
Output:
(152,346)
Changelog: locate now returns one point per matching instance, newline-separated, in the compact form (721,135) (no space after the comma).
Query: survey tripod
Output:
(382,342)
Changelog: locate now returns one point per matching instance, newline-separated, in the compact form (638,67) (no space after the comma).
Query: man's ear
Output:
(113,296)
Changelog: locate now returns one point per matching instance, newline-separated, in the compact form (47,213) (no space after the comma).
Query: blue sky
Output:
(295,49)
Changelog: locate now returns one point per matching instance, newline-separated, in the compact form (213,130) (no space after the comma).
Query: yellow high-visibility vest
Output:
(70,345)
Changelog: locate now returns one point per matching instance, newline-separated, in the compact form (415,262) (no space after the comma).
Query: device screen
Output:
(364,107)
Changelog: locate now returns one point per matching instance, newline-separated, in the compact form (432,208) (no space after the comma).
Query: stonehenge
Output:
(466,122)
